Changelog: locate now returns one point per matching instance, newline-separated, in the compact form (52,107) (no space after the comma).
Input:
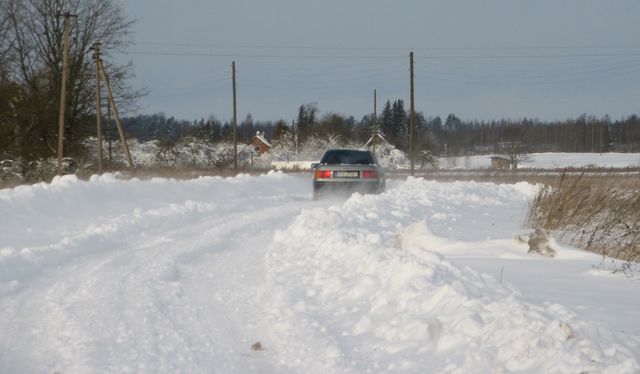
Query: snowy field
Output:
(165,276)
(550,160)
(546,161)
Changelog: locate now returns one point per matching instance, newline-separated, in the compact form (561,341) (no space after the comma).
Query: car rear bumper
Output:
(337,186)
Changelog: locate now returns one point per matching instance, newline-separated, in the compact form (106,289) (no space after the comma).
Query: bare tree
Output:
(35,32)
(5,41)
(7,89)
(516,152)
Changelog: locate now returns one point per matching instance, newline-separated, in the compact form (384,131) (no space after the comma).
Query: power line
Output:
(240,55)
(540,56)
(358,70)
(369,57)
(383,48)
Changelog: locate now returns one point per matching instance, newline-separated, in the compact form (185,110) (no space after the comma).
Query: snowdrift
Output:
(362,287)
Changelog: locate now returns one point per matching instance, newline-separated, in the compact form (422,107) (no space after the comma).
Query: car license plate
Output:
(347,174)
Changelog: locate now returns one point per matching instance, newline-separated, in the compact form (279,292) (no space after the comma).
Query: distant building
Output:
(499,162)
(376,139)
(260,144)
(483,149)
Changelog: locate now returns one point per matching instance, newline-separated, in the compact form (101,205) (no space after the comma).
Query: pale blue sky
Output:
(549,59)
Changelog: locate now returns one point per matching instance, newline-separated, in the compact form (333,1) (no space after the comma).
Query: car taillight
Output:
(369,174)
(322,174)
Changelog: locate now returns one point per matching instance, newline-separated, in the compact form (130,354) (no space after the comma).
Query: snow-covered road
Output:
(186,276)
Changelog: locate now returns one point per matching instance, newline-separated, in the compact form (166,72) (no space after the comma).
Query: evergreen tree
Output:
(216,128)
(400,133)
(281,129)
(385,121)
(246,130)
(227,131)
(362,130)
(306,120)
(452,123)
(335,125)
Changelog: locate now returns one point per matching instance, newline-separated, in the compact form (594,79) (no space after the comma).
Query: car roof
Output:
(348,149)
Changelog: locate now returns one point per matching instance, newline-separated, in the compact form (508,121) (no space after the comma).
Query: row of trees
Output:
(582,134)
(451,136)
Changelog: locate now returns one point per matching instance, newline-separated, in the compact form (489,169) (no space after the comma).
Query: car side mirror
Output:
(314,165)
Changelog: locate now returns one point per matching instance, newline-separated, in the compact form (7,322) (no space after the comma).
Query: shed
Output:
(499,162)
(259,144)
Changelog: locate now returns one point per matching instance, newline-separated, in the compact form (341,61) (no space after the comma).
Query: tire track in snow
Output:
(158,306)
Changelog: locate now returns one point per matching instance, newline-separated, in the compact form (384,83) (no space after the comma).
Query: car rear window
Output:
(348,157)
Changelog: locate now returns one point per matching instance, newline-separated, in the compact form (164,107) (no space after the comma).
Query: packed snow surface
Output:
(248,274)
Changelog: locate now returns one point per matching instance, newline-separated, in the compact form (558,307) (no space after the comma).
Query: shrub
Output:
(601,214)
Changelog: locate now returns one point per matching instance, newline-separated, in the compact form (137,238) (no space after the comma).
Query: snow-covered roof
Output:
(260,137)
(377,135)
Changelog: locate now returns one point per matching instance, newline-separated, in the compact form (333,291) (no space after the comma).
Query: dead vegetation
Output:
(601,214)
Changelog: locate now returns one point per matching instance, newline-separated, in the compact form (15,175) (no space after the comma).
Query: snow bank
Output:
(292,165)
(362,288)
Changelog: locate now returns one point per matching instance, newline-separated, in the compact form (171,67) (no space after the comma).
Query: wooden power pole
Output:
(235,118)
(295,137)
(375,125)
(112,103)
(110,136)
(63,86)
(412,116)
(96,55)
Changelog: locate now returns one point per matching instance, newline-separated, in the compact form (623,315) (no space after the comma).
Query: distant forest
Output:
(443,137)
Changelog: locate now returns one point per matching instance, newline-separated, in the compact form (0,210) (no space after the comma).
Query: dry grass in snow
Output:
(599,214)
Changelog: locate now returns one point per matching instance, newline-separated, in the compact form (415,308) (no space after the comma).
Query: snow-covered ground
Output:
(188,276)
(550,160)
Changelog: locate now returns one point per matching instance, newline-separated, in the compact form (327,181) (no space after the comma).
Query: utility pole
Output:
(295,135)
(375,125)
(63,86)
(110,132)
(96,55)
(412,116)
(235,118)
(115,113)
